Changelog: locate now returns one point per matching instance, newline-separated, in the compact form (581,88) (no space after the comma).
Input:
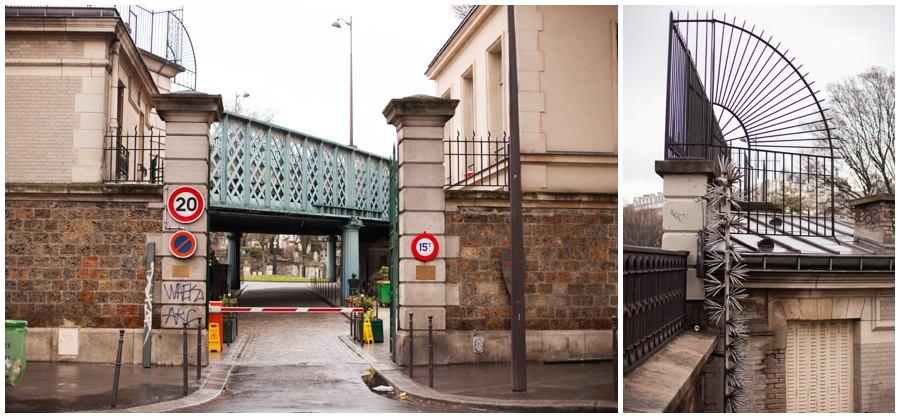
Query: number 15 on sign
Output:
(424,247)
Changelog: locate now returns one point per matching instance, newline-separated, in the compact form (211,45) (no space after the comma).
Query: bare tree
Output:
(267,115)
(862,112)
(642,227)
(461,11)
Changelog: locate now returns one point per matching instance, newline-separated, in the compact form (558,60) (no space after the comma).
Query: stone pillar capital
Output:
(419,110)
(199,105)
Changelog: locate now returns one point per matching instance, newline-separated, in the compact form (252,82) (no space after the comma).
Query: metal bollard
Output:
(184,360)
(199,330)
(118,366)
(410,346)
(430,355)
(615,330)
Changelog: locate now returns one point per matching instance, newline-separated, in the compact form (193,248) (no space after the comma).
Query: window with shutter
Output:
(819,366)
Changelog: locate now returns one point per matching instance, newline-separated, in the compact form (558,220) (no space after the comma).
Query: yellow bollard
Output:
(215,340)
(367,333)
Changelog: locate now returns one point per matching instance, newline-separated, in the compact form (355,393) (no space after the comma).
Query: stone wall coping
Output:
(419,105)
(684,165)
(188,102)
(882,197)
(660,383)
(81,189)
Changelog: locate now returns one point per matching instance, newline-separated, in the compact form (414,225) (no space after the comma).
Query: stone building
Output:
(456,183)
(84,149)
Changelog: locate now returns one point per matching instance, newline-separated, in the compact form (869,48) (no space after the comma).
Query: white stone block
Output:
(180,128)
(421,175)
(89,102)
(174,316)
(534,177)
(420,318)
(408,270)
(406,246)
(694,285)
(191,172)
(414,223)
(681,241)
(92,121)
(422,294)
(421,199)
(534,142)
(196,268)
(93,85)
(683,215)
(451,292)
(420,132)
(88,139)
(684,185)
(421,151)
(187,147)
(86,173)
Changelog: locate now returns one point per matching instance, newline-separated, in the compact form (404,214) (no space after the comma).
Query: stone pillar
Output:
(188,116)
(684,214)
(331,261)
(234,261)
(420,129)
(349,253)
(874,218)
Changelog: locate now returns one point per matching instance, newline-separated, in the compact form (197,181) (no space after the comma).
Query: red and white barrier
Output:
(220,309)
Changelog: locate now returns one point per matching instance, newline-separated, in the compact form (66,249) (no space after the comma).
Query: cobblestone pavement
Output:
(290,362)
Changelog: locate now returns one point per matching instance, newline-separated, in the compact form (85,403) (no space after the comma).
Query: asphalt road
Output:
(296,362)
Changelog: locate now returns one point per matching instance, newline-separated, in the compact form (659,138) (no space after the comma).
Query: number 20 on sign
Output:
(185,204)
(424,247)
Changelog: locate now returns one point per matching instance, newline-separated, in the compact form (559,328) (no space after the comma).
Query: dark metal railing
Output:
(654,301)
(477,161)
(134,158)
(163,34)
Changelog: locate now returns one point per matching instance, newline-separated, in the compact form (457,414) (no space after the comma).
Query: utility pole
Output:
(517,293)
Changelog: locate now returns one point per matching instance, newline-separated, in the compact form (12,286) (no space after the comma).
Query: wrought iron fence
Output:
(134,158)
(163,34)
(654,300)
(731,93)
(477,161)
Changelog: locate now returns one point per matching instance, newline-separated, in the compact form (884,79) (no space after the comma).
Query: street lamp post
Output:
(337,24)
(237,98)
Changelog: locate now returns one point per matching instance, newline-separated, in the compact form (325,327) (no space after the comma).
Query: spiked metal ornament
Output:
(725,273)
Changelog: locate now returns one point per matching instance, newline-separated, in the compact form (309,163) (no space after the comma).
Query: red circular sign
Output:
(185,204)
(183,244)
(425,247)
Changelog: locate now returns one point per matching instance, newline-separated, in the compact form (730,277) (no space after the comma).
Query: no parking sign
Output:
(183,244)
(185,204)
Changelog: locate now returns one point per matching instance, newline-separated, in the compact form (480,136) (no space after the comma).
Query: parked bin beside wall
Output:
(15,351)
(384,292)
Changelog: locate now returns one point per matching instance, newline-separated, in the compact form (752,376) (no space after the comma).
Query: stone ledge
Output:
(661,382)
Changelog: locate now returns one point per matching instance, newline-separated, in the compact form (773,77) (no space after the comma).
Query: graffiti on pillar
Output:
(175,316)
(184,292)
(869,216)
(677,215)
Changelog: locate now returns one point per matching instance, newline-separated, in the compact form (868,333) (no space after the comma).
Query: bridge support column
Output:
(331,262)
(349,253)
(234,261)
(188,116)
(423,291)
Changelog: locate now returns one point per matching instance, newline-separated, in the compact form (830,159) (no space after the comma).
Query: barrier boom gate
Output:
(220,309)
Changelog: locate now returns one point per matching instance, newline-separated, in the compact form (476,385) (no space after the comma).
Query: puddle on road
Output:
(378,385)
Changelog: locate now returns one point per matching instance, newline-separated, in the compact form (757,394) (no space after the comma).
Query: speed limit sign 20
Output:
(185,204)
(425,247)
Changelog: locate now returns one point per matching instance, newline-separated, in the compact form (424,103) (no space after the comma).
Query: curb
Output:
(402,383)
(209,389)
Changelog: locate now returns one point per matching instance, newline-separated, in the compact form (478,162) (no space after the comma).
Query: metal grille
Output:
(654,300)
(134,158)
(732,93)
(477,162)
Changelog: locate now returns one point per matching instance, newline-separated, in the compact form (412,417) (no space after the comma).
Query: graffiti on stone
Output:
(677,215)
(175,316)
(184,292)
(869,216)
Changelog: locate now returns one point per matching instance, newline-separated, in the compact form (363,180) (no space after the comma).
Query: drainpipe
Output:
(114,86)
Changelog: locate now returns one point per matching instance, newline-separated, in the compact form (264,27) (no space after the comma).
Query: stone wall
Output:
(876,377)
(78,263)
(571,276)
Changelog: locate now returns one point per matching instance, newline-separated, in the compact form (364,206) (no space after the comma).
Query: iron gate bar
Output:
(235,309)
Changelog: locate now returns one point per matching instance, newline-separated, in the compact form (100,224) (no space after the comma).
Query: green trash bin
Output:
(15,351)
(384,292)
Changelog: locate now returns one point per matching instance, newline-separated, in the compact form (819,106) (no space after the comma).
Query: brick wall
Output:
(81,263)
(48,45)
(887,308)
(877,377)
(41,119)
(774,369)
(571,276)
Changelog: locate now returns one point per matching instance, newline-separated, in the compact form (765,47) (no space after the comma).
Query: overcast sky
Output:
(289,58)
(830,42)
